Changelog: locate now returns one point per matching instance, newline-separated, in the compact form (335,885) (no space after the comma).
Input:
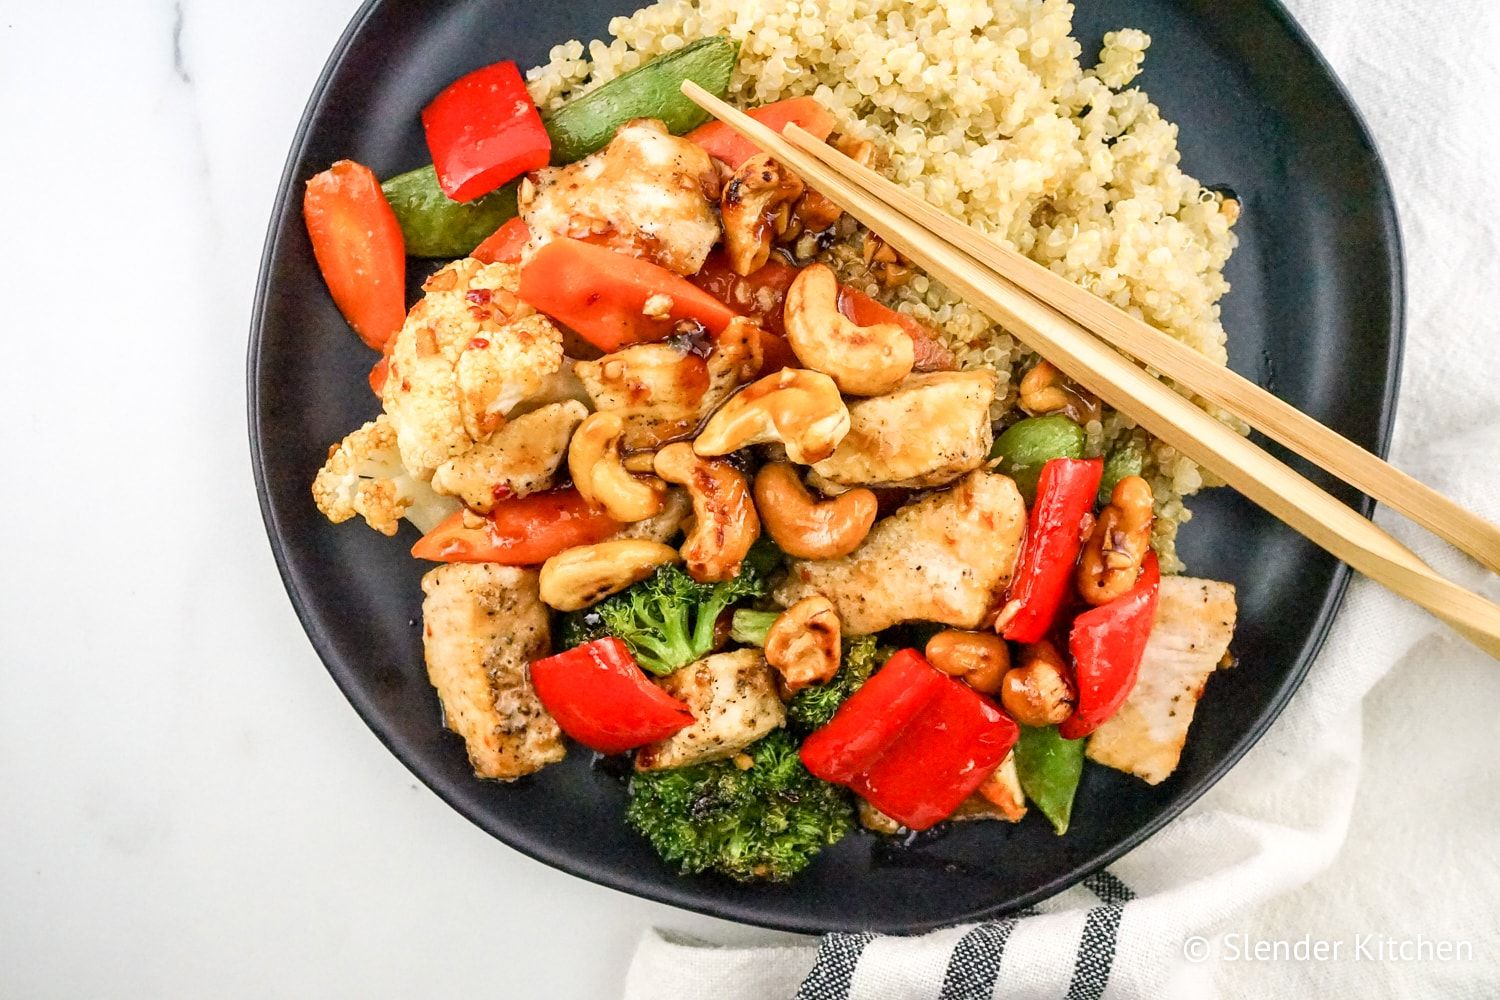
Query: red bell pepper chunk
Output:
(484,130)
(1107,644)
(603,700)
(359,248)
(503,246)
(1065,493)
(912,741)
(724,143)
(601,295)
(521,531)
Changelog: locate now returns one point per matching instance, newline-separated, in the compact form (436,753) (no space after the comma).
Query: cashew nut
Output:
(980,659)
(1044,389)
(803,643)
(756,208)
(1039,691)
(1112,556)
(586,574)
(799,409)
(599,473)
(724,521)
(862,360)
(808,529)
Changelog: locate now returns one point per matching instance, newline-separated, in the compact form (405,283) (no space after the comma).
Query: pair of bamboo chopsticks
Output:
(1074,330)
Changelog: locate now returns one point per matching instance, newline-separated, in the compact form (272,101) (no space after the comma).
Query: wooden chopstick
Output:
(1261,478)
(1260,409)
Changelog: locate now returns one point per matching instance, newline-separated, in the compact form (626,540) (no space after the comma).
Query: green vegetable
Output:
(1027,445)
(765,822)
(669,619)
(435,225)
(1049,768)
(749,627)
(814,705)
(652,90)
(1124,460)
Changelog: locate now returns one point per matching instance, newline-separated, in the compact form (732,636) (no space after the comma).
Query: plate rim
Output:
(707,903)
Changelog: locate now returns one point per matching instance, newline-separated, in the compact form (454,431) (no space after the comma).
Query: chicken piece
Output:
(664,391)
(663,526)
(519,459)
(734,703)
(930,430)
(976,806)
(364,476)
(1194,623)
(944,558)
(648,193)
(483,624)
(468,352)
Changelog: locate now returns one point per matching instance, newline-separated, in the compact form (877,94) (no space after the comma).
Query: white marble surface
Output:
(189,807)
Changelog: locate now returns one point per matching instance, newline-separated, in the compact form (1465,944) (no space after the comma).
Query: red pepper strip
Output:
(484,130)
(870,719)
(1107,644)
(912,741)
(761,295)
(603,700)
(601,295)
(725,144)
(1065,493)
(521,531)
(503,246)
(358,244)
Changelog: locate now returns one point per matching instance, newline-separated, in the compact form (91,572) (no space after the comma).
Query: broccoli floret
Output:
(669,619)
(813,706)
(764,822)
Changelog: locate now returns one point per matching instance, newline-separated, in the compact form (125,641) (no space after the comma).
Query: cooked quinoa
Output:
(984,108)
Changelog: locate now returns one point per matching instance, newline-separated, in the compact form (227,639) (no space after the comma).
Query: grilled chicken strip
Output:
(664,391)
(1194,623)
(930,430)
(647,193)
(519,459)
(734,703)
(483,624)
(945,558)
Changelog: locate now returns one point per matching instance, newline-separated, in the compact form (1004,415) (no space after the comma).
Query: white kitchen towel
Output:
(1348,854)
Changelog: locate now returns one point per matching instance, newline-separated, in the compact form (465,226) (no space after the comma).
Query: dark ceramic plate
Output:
(1314,315)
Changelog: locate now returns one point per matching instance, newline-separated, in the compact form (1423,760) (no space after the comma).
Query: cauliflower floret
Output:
(468,352)
(364,475)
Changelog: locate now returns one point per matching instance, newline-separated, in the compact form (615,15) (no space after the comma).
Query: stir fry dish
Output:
(701,488)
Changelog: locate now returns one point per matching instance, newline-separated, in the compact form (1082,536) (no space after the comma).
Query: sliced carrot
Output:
(357,242)
(724,143)
(607,297)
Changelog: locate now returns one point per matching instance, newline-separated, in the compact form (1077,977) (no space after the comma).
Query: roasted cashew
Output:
(756,208)
(724,521)
(1038,692)
(599,473)
(980,659)
(1112,556)
(861,360)
(798,408)
(1044,389)
(803,643)
(586,574)
(805,528)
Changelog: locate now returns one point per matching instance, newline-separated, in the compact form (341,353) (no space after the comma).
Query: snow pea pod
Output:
(1049,768)
(435,225)
(651,90)
(1027,445)
(1124,460)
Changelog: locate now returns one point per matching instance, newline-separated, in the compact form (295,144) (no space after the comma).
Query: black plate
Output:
(1315,315)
